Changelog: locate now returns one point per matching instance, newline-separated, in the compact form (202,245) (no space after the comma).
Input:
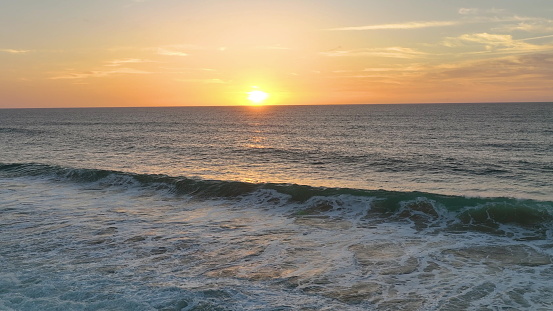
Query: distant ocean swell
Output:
(517,218)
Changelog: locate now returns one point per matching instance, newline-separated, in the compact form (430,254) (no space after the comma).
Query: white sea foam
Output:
(81,247)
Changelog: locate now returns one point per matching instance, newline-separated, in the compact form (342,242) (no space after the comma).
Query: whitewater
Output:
(388,207)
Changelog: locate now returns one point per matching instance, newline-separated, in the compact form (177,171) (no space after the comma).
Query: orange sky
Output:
(176,53)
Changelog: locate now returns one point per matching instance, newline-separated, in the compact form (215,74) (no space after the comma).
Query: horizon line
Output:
(284,105)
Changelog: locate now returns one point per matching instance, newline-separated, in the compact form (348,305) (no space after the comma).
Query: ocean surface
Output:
(361,207)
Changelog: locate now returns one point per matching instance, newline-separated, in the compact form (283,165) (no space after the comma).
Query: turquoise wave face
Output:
(423,210)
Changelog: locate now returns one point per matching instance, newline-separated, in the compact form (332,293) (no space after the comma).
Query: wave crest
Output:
(423,210)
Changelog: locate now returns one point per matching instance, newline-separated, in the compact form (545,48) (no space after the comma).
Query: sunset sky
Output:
(68,53)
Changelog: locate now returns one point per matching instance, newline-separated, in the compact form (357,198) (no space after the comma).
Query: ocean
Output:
(353,207)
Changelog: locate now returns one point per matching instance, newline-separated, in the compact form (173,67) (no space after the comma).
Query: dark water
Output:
(391,207)
(486,150)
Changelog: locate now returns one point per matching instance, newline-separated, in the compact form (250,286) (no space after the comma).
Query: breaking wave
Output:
(423,210)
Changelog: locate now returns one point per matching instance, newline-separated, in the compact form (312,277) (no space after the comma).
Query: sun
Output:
(257,97)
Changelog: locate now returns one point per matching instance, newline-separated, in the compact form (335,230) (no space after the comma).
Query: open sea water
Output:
(364,207)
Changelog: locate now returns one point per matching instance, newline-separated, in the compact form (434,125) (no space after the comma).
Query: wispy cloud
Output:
(393,52)
(125,61)
(477,15)
(177,49)
(481,38)
(494,43)
(204,81)
(414,67)
(186,70)
(97,73)
(533,25)
(273,47)
(171,52)
(394,74)
(479,11)
(14,51)
(409,25)
(468,16)
(531,66)
(536,38)
(511,22)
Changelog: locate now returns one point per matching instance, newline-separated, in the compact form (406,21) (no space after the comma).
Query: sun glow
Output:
(257,97)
